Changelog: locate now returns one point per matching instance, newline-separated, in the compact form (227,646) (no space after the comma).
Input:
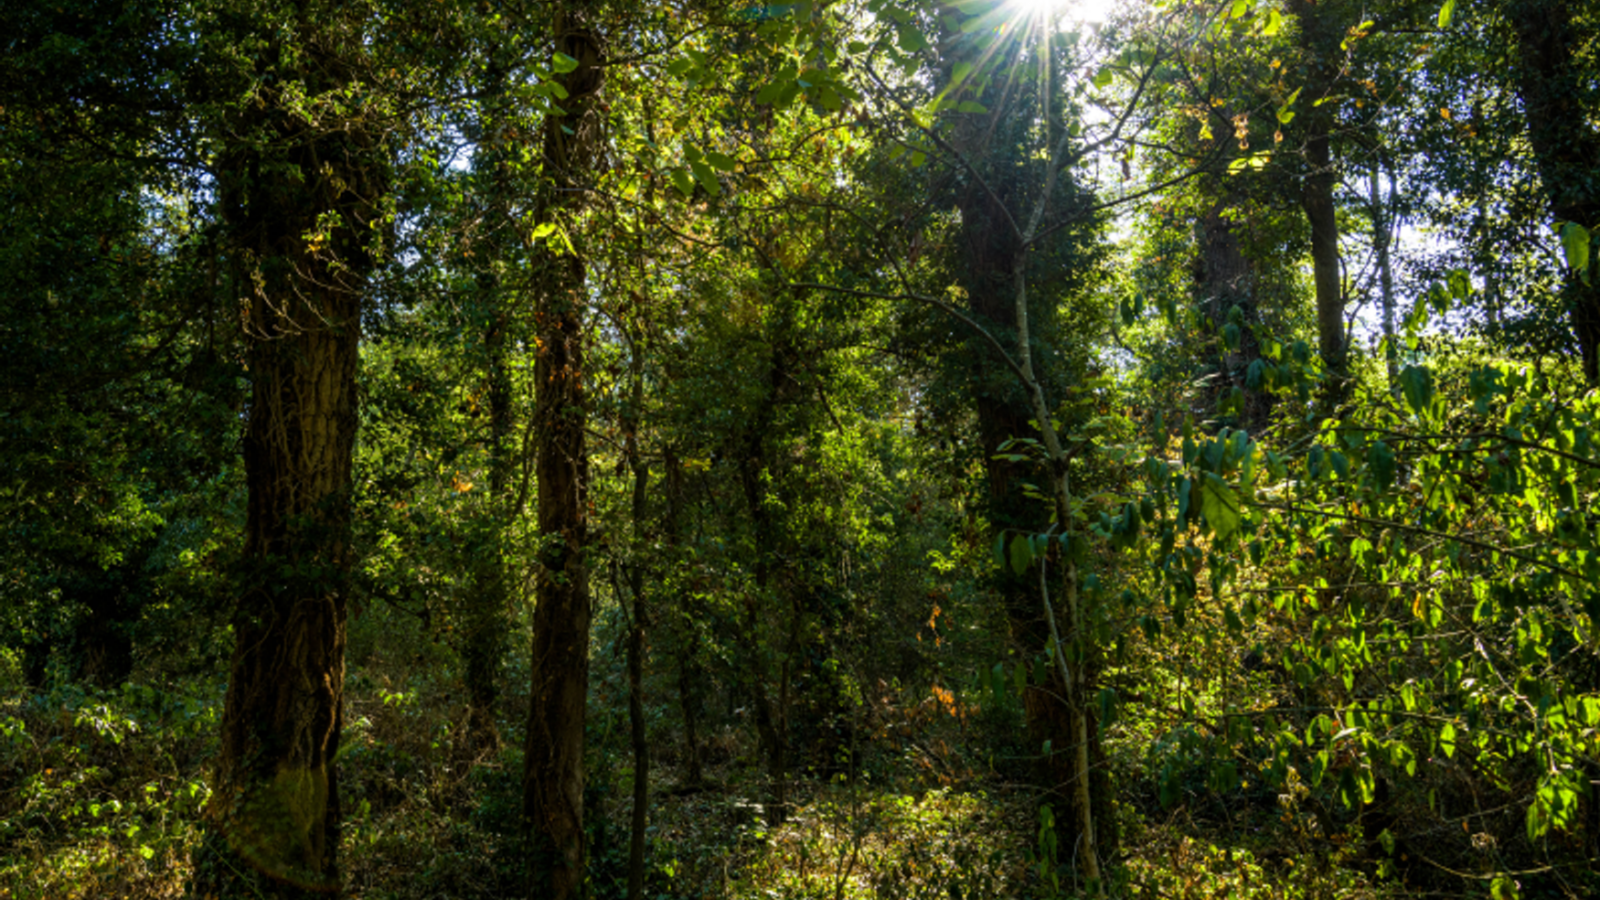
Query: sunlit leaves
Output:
(1575,241)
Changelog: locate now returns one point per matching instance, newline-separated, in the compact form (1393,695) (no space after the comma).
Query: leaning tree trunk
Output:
(1558,92)
(553,776)
(298,200)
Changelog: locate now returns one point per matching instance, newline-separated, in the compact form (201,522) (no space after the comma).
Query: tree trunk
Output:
(1320,32)
(553,778)
(1558,94)
(271,828)
(486,624)
(636,724)
(1226,280)
(771,719)
(1054,715)
(1381,226)
(689,674)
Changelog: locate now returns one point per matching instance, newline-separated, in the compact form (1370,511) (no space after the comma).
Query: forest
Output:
(872,449)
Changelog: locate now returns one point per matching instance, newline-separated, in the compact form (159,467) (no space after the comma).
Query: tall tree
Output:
(300,175)
(1557,77)
(553,778)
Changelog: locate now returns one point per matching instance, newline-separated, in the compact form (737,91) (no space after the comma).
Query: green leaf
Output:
(1575,246)
(1446,12)
(1416,382)
(683,182)
(720,161)
(1380,459)
(1021,553)
(707,178)
(910,39)
(563,63)
(1220,505)
(771,92)
(1447,740)
(1504,888)
(960,72)
(971,106)
(1275,23)
(1230,336)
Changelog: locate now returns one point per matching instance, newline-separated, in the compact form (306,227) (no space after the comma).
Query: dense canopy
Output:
(874,448)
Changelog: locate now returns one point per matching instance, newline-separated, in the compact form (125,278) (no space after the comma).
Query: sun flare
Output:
(1070,10)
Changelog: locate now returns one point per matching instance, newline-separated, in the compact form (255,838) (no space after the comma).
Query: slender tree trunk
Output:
(636,724)
(689,673)
(1558,95)
(1380,245)
(554,778)
(770,718)
(271,828)
(486,616)
(689,705)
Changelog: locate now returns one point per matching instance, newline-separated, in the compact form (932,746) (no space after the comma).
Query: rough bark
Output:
(553,777)
(1558,95)
(991,253)
(1226,279)
(297,200)
(1320,32)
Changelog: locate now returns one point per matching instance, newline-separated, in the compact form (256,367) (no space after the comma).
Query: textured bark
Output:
(553,779)
(1225,279)
(272,826)
(1558,96)
(990,257)
(1320,32)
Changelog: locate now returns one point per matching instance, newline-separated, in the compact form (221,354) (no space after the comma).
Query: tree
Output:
(301,176)
(572,149)
(1556,85)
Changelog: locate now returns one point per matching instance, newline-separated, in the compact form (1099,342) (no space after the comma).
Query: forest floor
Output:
(100,792)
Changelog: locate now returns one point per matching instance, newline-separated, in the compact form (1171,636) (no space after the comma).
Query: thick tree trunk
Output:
(1225,279)
(554,778)
(1558,95)
(1056,716)
(1316,198)
(1321,31)
(298,200)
